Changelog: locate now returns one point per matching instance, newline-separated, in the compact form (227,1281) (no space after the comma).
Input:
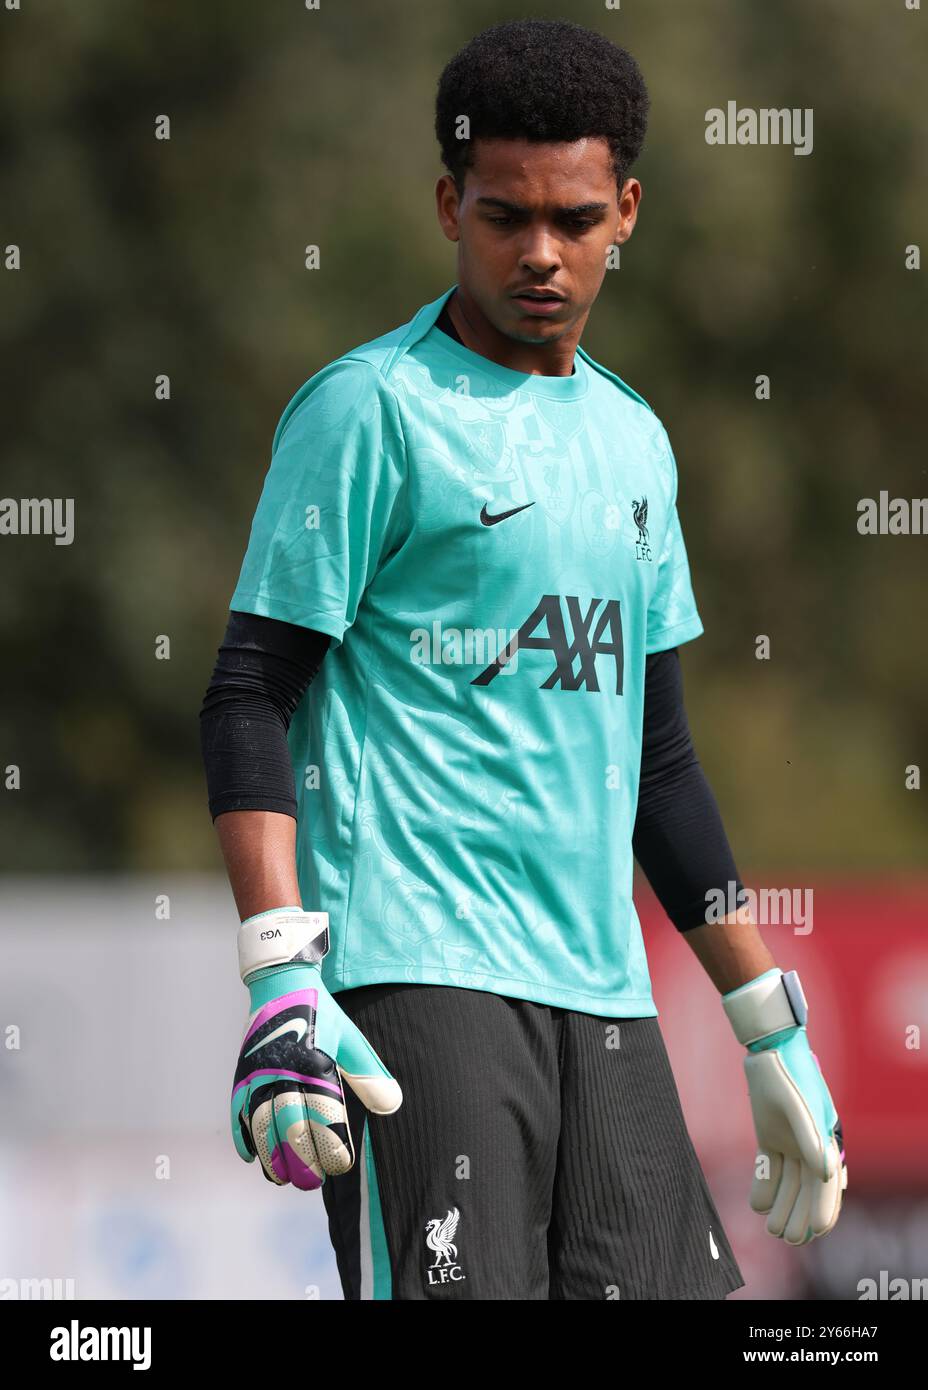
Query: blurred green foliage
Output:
(292,126)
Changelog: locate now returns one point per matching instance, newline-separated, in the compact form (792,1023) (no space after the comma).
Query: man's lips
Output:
(537,292)
(538,301)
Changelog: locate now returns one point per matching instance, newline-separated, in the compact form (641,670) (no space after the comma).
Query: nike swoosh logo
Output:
(297,1026)
(492,520)
(713,1248)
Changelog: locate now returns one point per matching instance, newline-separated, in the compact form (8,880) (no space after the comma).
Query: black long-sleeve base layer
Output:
(265,666)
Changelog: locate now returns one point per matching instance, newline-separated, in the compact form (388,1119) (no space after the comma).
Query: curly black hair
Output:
(541,79)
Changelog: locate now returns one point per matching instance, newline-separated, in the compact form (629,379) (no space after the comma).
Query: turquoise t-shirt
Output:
(493,555)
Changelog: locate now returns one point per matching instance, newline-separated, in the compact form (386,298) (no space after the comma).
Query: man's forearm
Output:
(259,848)
(263,670)
(730,952)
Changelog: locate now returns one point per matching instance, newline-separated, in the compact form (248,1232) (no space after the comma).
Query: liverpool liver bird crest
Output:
(640,513)
(440,1237)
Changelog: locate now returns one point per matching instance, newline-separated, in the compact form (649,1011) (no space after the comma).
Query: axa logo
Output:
(440,1233)
(595,632)
(640,514)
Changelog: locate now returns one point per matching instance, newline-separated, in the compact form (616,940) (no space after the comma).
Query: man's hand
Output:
(800,1174)
(288,1106)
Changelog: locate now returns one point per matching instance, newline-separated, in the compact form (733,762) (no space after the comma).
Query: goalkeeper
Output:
(446,716)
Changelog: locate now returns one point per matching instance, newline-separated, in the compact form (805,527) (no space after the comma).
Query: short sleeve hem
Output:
(265,607)
(673,636)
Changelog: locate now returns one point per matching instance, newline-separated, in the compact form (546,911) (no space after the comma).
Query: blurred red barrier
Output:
(864,968)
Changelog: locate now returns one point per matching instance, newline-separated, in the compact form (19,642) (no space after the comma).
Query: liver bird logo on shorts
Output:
(440,1238)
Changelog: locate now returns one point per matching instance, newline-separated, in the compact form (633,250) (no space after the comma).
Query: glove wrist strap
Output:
(282,936)
(771,1003)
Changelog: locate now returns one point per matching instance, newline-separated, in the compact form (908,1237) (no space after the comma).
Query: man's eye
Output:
(500,221)
(582,222)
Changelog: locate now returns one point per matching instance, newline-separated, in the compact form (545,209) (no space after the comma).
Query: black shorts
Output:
(539,1153)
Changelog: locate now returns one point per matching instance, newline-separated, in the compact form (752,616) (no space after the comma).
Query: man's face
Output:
(533,216)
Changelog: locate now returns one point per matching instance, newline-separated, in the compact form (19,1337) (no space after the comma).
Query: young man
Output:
(468,551)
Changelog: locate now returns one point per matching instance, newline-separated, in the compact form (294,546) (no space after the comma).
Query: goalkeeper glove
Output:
(288,1106)
(800,1173)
